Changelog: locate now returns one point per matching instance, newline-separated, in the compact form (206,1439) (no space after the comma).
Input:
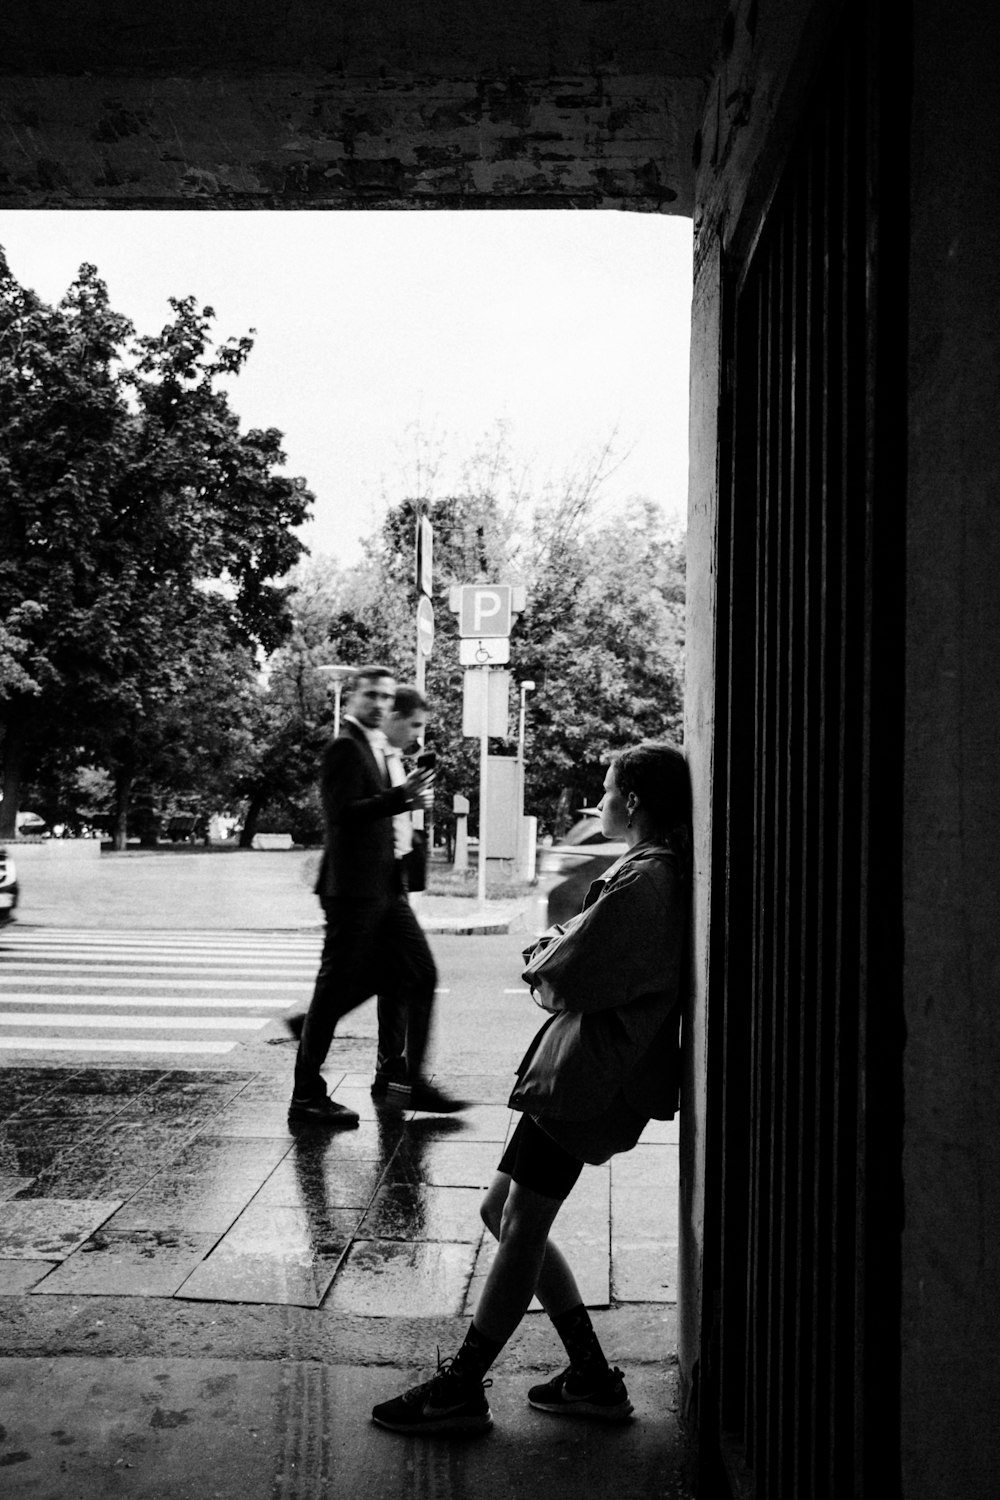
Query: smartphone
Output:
(426,760)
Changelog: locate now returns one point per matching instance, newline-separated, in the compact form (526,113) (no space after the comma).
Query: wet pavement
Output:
(196,1300)
(189,1184)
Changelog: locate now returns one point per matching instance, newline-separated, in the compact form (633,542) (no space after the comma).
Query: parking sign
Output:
(485,610)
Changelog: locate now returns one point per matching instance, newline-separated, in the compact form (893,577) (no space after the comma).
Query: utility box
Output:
(502,811)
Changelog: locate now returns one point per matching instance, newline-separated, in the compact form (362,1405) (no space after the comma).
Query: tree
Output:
(290,722)
(602,634)
(14,647)
(126,492)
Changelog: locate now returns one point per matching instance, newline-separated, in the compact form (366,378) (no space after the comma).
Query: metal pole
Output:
(526,688)
(484,743)
(338,688)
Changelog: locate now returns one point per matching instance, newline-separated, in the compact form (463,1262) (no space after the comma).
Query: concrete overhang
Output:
(316,104)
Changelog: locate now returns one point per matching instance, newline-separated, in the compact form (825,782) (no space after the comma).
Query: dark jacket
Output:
(359,859)
(608,1058)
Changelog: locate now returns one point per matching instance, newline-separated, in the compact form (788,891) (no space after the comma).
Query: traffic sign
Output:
(485,705)
(485,609)
(425,626)
(425,555)
(484,651)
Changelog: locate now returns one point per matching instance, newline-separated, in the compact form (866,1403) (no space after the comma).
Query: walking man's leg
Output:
(346,977)
(414,978)
(390,1059)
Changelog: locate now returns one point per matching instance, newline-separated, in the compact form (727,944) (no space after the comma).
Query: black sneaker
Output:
(448,1403)
(572,1395)
(425,1096)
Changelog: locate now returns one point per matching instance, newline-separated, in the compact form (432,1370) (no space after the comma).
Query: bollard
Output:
(460,807)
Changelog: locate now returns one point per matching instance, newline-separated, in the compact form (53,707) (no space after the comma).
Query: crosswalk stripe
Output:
(135,1023)
(111,1044)
(233,936)
(180,1002)
(92,951)
(71,959)
(168,944)
(164,989)
(112,981)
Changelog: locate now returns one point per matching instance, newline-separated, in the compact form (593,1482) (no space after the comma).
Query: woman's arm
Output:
(626,945)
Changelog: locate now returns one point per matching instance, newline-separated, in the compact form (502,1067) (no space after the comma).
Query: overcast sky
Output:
(373,326)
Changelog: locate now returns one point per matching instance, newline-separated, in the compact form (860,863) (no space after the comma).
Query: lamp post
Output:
(526,688)
(338,675)
(522,828)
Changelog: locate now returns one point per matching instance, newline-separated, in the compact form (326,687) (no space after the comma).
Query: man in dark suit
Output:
(373,941)
(404,732)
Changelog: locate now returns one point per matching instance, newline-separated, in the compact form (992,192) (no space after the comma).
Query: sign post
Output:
(425,610)
(486,612)
(484,765)
(425,640)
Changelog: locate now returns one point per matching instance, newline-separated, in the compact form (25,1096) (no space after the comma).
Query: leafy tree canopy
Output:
(135,519)
(602,634)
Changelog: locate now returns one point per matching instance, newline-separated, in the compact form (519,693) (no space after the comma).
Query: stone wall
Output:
(951,1241)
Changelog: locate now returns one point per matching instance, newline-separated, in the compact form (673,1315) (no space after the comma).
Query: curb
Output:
(476,922)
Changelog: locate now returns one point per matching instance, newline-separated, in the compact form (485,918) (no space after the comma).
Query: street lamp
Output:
(526,688)
(338,676)
(522,828)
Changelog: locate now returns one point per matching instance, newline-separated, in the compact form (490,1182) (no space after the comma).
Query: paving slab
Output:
(382,1278)
(416,1211)
(334,1181)
(51,1228)
(20,1276)
(182,1203)
(129,1263)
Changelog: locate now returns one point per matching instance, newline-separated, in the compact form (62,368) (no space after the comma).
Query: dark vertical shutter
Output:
(800,1366)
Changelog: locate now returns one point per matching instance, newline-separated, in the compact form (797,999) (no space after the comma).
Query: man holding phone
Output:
(404,732)
(373,942)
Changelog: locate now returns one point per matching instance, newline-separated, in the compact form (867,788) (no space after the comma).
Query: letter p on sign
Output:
(485,610)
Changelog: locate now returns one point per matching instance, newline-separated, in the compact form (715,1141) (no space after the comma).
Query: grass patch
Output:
(443,880)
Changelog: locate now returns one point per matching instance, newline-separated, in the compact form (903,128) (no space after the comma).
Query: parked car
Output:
(566,870)
(8,887)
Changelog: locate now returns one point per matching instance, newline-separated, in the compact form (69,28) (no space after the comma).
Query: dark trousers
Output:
(370,947)
(391,1060)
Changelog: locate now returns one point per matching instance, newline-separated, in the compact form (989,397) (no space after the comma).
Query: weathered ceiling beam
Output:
(353,103)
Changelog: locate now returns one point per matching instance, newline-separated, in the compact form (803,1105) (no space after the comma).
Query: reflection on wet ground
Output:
(189,1184)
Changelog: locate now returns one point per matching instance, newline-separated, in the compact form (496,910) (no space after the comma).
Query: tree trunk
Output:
(14,754)
(123,800)
(254,809)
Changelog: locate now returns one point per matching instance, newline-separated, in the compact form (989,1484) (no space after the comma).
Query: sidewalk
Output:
(197,1303)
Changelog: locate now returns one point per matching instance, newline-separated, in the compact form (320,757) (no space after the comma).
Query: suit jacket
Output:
(359,858)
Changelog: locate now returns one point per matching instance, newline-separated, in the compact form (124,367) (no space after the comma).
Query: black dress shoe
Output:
(294,1025)
(323,1112)
(424,1096)
(381,1084)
